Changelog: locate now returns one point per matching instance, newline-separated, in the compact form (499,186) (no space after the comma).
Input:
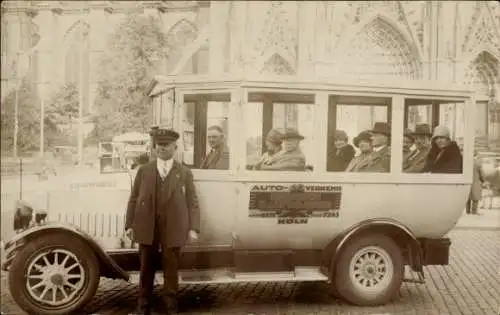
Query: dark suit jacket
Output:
(179,216)
(340,159)
(218,160)
(448,161)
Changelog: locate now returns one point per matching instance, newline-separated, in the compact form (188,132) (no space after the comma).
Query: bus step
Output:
(414,281)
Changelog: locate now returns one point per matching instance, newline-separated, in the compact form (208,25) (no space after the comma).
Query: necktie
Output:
(165,170)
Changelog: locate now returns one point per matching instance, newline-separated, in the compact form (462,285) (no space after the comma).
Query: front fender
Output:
(389,227)
(109,267)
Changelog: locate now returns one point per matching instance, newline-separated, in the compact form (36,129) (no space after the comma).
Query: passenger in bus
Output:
(380,158)
(408,141)
(416,160)
(444,155)
(218,157)
(290,158)
(364,143)
(274,141)
(342,153)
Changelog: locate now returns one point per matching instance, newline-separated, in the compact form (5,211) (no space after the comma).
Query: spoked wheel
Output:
(54,274)
(370,271)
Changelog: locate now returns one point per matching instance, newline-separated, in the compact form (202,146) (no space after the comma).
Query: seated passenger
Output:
(380,158)
(416,160)
(342,153)
(408,141)
(274,141)
(444,155)
(364,142)
(290,158)
(218,157)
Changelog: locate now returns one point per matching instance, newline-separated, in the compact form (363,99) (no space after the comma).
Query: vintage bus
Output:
(354,230)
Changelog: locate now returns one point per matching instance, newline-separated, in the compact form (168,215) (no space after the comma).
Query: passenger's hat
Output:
(292,133)
(422,130)
(274,136)
(441,131)
(381,128)
(408,133)
(340,135)
(166,136)
(363,136)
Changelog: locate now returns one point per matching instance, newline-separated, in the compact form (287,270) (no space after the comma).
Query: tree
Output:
(133,56)
(61,109)
(28,118)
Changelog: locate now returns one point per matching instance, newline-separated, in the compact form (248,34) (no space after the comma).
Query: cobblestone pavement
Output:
(469,285)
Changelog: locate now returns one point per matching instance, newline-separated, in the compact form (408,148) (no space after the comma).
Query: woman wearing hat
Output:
(417,159)
(274,141)
(364,143)
(342,153)
(444,155)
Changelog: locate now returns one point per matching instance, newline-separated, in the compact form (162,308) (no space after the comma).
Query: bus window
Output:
(205,131)
(279,131)
(433,136)
(359,134)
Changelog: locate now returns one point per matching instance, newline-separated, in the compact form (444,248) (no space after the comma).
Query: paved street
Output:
(469,285)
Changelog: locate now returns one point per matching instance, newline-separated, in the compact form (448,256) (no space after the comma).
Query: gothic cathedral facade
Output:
(455,41)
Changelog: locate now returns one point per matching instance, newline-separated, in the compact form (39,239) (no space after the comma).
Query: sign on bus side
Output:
(294,203)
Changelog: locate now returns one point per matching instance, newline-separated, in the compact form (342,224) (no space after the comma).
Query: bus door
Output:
(206,122)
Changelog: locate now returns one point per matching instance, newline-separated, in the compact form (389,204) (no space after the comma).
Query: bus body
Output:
(355,230)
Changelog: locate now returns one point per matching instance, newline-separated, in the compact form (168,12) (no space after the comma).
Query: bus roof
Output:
(162,83)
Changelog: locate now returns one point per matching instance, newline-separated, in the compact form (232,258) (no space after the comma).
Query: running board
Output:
(221,276)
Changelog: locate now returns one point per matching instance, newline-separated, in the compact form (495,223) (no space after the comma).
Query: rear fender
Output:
(392,228)
(109,268)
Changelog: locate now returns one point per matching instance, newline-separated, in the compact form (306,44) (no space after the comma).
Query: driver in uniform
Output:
(162,215)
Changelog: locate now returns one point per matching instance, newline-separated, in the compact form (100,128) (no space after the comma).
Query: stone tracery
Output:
(277,65)
(179,36)
(380,50)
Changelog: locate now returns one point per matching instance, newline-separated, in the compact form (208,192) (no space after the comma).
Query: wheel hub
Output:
(57,279)
(371,269)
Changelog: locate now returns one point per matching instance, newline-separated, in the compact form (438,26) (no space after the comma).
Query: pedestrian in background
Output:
(476,191)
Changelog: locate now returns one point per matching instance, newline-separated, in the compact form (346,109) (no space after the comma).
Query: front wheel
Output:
(54,274)
(370,270)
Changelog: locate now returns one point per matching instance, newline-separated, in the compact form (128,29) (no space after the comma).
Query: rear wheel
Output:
(370,270)
(54,274)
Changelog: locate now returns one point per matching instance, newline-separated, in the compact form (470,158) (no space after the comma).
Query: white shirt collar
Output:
(164,164)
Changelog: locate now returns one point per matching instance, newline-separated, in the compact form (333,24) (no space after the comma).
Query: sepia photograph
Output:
(250,157)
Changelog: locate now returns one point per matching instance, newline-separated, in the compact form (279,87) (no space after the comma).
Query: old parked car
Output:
(356,231)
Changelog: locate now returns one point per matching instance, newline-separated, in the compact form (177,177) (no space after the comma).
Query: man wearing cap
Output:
(162,216)
(380,159)
(274,142)
(416,160)
(290,158)
(218,157)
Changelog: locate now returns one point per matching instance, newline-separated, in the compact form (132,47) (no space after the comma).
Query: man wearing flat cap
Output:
(162,216)
(416,160)
(380,159)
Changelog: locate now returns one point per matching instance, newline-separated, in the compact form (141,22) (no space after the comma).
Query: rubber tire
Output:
(23,258)
(343,284)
